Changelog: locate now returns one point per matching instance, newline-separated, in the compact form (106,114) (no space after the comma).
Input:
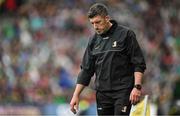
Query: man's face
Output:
(100,23)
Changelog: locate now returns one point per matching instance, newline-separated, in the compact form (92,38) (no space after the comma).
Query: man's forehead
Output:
(96,18)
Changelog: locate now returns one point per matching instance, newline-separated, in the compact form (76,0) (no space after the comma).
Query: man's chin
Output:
(99,32)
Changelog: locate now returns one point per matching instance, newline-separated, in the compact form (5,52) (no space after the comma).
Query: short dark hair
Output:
(97,9)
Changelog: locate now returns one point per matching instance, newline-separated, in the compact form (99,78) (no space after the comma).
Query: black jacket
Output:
(113,57)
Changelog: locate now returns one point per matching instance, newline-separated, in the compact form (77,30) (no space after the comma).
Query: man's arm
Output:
(75,99)
(139,65)
(136,93)
(138,78)
(84,77)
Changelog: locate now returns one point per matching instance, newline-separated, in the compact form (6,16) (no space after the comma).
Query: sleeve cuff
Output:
(139,69)
(83,78)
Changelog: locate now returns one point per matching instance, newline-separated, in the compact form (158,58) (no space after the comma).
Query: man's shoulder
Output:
(122,30)
(92,39)
(125,29)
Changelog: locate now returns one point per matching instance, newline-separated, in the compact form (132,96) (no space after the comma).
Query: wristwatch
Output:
(138,86)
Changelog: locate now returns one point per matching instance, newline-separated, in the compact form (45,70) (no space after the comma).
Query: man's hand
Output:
(135,96)
(75,99)
(74,104)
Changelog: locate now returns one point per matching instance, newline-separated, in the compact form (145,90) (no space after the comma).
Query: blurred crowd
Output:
(42,43)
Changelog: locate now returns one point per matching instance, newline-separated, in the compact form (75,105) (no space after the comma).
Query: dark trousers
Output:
(113,103)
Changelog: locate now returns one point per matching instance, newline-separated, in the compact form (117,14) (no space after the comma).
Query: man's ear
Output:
(107,18)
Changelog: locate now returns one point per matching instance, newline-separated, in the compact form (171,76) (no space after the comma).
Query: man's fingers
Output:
(134,99)
(74,108)
(74,111)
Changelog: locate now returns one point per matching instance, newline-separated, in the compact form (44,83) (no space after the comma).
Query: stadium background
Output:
(42,43)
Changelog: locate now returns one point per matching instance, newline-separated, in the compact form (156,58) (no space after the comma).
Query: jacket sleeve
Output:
(87,67)
(136,56)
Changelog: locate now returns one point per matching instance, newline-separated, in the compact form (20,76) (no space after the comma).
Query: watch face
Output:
(137,86)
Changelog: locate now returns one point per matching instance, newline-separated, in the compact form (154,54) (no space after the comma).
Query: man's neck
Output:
(109,26)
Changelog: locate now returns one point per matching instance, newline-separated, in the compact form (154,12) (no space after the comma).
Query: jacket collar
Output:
(111,30)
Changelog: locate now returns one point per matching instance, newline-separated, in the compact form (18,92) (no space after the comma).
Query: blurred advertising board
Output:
(20,110)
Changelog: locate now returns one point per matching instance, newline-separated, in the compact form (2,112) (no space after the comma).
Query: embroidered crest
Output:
(124,109)
(114,44)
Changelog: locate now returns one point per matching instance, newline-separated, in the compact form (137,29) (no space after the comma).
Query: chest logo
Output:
(114,44)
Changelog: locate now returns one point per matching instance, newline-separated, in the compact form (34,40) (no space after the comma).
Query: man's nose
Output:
(95,26)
